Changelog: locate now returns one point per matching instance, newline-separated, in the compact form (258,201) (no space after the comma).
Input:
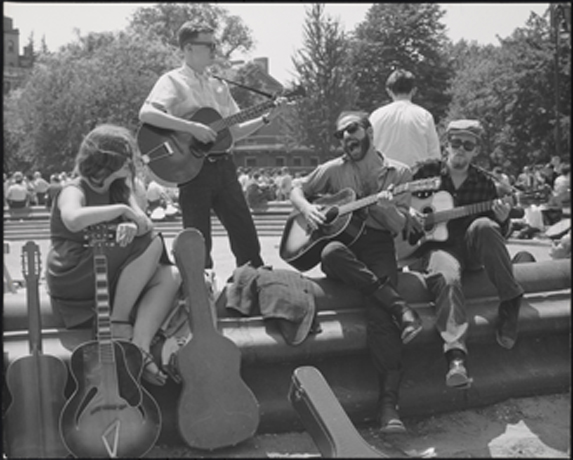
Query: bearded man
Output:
(368,264)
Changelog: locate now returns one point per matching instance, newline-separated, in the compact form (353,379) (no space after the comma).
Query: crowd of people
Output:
(394,145)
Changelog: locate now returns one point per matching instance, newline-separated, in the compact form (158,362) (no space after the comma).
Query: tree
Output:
(511,89)
(68,94)
(324,70)
(406,35)
(163,20)
(97,78)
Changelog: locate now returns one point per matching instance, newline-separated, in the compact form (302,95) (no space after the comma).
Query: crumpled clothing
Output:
(274,294)
(271,293)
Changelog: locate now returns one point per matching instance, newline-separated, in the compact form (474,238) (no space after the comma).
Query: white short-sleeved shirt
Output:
(405,132)
(182,91)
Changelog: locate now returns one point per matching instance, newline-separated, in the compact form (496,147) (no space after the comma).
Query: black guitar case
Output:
(324,418)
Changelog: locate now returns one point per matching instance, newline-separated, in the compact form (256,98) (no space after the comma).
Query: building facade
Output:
(266,148)
(16,66)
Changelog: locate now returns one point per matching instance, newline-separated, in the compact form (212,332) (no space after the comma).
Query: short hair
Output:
(565,169)
(190,30)
(363,116)
(401,81)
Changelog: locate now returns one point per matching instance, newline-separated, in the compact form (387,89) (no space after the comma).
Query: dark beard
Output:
(364,147)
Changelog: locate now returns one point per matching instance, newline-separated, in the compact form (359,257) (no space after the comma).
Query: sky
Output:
(277,27)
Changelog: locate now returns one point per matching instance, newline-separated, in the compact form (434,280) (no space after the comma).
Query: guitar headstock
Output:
(31,262)
(420,185)
(100,235)
(424,185)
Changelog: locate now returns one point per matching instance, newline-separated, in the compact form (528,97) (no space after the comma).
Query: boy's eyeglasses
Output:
(211,45)
(350,129)
(469,146)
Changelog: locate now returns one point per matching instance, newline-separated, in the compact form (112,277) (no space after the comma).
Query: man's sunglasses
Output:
(211,45)
(469,146)
(350,129)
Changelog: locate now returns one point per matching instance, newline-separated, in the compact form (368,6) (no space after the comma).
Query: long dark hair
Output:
(103,151)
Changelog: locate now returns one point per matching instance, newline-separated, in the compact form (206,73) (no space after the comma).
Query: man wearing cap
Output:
(369,263)
(473,242)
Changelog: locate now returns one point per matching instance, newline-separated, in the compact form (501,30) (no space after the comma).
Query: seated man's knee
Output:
(333,252)
(484,226)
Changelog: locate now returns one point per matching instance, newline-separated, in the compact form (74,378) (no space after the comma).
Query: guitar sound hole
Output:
(331,215)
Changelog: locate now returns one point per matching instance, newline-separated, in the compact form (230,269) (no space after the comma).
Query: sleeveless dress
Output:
(70,274)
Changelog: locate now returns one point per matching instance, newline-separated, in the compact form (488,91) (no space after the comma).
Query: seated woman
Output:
(143,283)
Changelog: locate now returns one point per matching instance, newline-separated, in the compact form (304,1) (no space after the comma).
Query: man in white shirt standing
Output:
(403,130)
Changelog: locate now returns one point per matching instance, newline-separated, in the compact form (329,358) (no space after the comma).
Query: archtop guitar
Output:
(175,157)
(110,414)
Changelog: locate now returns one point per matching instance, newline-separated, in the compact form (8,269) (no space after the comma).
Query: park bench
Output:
(539,363)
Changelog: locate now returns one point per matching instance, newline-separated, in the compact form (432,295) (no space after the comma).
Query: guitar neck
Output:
(369,200)
(34,316)
(102,307)
(31,268)
(241,116)
(461,211)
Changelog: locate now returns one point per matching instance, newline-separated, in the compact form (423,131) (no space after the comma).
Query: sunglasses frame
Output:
(211,45)
(354,126)
(462,144)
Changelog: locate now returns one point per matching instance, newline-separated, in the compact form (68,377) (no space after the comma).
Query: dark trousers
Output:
(371,260)
(217,188)
(482,246)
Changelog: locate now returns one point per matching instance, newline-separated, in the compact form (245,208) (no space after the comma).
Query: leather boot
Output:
(457,376)
(408,319)
(507,320)
(388,416)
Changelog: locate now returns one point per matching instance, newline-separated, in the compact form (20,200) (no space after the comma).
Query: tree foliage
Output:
(97,78)
(511,89)
(406,35)
(163,20)
(323,68)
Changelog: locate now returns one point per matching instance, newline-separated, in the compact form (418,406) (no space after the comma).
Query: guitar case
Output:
(324,418)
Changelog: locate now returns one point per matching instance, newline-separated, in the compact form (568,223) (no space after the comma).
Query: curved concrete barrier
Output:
(539,363)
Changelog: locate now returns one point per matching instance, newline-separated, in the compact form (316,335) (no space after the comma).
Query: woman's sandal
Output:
(151,377)
(122,330)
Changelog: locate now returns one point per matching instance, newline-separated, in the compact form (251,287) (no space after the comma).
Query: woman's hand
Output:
(140,219)
(125,233)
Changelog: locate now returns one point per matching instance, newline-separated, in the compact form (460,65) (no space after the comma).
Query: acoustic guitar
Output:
(216,408)
(301,245)
(175,157)
(110,414)
(436,211)
(36,382)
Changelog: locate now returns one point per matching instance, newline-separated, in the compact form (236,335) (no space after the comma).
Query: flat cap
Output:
(472,127)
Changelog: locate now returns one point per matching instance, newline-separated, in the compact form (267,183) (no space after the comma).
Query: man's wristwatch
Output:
(265,119)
